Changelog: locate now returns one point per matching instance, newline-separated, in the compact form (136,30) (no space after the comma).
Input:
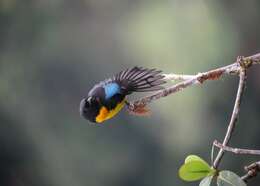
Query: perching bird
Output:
(108,97)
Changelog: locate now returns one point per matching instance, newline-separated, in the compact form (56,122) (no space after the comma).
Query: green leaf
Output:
(194,170)
(206,181)
(194,158)
(228,178)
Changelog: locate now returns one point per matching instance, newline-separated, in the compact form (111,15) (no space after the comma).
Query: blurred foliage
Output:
(53,51)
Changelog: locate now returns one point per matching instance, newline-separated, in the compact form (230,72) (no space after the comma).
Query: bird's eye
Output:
(89,99)
(93,101)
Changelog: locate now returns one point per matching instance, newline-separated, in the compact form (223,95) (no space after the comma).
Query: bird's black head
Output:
(89,108)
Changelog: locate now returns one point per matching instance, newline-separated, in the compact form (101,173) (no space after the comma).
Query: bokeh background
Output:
(53,51)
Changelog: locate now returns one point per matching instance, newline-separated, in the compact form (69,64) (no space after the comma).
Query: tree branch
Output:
(175,77)
(189,80)
(238,68)
(251,170)
(235,113)
(236,150)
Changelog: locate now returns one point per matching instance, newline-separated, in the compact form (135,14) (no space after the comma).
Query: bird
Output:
(108,97)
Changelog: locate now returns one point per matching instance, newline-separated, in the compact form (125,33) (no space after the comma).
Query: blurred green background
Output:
(53,51)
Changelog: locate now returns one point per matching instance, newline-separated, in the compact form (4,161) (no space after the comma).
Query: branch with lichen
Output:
(189,80)
(238,68)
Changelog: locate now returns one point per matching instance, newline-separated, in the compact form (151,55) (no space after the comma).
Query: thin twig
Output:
(235,113)
(175,77)
(236,150)
(251,170)
(190,80)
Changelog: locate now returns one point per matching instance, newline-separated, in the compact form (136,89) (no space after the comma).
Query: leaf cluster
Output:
(195,168)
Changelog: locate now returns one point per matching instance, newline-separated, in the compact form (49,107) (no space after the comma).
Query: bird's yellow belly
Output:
(105,114)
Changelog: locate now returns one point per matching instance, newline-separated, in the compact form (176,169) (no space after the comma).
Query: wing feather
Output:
(138,79)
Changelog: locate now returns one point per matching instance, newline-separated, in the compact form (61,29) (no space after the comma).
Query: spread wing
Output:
(138,79)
